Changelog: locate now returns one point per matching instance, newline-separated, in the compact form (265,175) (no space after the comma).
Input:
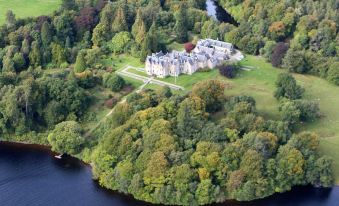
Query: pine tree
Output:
(25,47)
(150,43)
(10,19)
(46,35)
(35,55)
(153,36)
(139,29)
(8,65)
(80,64)
(181,24)
(119,23)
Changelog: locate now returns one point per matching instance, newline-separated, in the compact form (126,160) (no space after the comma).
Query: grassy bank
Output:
(27,8)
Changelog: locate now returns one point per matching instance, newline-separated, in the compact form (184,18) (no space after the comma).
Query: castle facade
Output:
(208,53)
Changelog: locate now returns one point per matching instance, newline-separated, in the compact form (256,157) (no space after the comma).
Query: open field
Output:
(27,8)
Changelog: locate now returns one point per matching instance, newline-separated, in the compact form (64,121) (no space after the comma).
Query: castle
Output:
(208,53)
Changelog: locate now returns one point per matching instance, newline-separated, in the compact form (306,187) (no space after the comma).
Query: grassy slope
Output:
(27,8)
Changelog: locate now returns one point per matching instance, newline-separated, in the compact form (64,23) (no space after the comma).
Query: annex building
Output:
(208,53)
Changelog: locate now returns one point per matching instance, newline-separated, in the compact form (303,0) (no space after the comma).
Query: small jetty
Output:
(58,156)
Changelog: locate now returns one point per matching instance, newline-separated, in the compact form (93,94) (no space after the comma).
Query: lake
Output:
(30,175)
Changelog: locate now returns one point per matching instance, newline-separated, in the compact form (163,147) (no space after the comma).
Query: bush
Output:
(287,87)
(229,71)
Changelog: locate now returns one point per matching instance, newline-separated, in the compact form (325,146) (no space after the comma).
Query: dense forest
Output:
(166,148)
(181,149)
(299,35)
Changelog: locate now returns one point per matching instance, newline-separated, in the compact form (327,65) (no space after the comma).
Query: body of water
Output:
(216,11)
(30,175)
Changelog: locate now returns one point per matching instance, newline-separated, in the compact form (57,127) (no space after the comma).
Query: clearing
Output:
(27,8)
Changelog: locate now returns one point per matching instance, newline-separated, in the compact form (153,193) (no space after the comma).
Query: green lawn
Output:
(120,61)
(27,8)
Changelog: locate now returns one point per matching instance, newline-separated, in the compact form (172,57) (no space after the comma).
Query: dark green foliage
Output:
(333,73)
(114,82)
(80,64)
(66,138)
(229,71)
(295,61)
(287,87)
(181,24)
(169,152)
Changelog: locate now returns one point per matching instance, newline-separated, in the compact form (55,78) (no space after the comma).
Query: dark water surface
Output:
(30,175)
(219,13)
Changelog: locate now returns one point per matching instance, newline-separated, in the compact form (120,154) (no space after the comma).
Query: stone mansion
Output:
(208,53)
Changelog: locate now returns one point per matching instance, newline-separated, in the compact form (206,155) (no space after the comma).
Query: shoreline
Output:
(127,197)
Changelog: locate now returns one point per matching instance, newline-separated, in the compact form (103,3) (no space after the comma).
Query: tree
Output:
(119,24)
(100,34)
(181,24)
(120,42)
(46,34)
(191,117)
(35,55)
(156,169)
(150,43)
(80,64)
(290,168)
(68,4)
(66,138)
(287,87)
(279,52)
(114,82)
(8,65)
(290,112)
(58,54)
(139,28)
(277,30)
(333,73)
(324,172)
(211,92)
(10,19)
(189,47)
(19,61)
(295,61)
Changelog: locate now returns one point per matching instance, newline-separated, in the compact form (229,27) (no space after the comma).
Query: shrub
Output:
(287,87)
(189,47)
(229,71)
(114,82)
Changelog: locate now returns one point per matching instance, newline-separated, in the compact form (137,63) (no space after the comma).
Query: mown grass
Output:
(118,62)
(27,8)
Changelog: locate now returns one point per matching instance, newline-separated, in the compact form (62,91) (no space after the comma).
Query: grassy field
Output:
(27,8)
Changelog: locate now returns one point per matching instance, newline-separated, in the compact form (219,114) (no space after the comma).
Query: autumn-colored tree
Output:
(211,92)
